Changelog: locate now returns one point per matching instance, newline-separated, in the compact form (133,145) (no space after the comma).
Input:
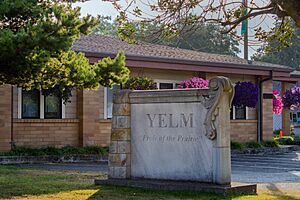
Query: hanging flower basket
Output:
(246,94)
(194,82)
(277,103)
(291,98)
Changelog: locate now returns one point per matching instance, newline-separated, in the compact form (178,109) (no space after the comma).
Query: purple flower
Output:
(246,94)
(291,98)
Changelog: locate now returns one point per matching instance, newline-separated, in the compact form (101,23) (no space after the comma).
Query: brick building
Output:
(27,118)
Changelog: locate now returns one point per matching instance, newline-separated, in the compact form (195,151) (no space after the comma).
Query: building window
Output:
(31,104)
(109,101)
(295,117)
(167,84)
(238,113)
(164,86)
(53,107)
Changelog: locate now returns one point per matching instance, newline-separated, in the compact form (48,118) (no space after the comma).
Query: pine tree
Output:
(35,48)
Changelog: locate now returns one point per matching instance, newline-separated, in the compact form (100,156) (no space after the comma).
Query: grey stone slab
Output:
(168,96)
(169,142)
(181,186)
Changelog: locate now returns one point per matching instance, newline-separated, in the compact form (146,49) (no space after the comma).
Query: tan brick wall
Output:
(268,112)
(15,102)
(286,122)
(37,133)
(243,130)
(104,134)
(92,130)
(5,117)
(71,107)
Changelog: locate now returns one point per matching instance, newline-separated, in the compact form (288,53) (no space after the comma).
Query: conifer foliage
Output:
(35,48)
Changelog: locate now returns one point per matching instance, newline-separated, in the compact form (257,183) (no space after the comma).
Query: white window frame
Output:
(105,103)
(158,81)
(42,106)
(233,113)
(233,110)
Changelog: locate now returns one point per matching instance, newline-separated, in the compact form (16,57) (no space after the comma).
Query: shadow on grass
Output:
(275,191)
(22,182)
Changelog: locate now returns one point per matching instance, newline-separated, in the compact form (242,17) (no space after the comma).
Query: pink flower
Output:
(277,103)
(194,82)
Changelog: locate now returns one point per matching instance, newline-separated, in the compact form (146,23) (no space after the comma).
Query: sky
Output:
(99,7)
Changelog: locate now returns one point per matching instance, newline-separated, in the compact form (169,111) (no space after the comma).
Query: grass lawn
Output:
(19,183)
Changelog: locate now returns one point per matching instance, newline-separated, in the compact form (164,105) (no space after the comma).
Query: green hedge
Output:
(270,143)
(67,150)
(238,146)
(253,145)
(297,140)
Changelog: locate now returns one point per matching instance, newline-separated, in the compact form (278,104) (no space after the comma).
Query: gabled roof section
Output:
(97,44)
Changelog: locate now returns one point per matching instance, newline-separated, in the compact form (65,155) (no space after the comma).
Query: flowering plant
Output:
(246,94)
(291,98)
(277,103)
(140,83)
(194,82)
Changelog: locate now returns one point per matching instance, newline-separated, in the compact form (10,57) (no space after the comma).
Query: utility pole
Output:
(245,32)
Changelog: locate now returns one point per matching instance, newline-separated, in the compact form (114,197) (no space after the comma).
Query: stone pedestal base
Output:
(181,186)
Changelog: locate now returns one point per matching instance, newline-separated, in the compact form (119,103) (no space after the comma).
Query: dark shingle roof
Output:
(110,45)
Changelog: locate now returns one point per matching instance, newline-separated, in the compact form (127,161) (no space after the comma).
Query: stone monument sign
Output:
(172,135)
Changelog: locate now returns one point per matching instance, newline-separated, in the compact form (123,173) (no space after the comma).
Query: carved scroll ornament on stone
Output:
(217,87)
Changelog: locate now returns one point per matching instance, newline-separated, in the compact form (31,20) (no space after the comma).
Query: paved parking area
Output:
(266,169)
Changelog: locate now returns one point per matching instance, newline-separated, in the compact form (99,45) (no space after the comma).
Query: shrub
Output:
(271,143)
(237,146)
(53,151)
(95,150)
(297,139)
(277,132)
(285,140)
(140,83)
(25,151)
(253,144)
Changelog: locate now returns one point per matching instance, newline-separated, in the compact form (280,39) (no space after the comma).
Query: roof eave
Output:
(190,62)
